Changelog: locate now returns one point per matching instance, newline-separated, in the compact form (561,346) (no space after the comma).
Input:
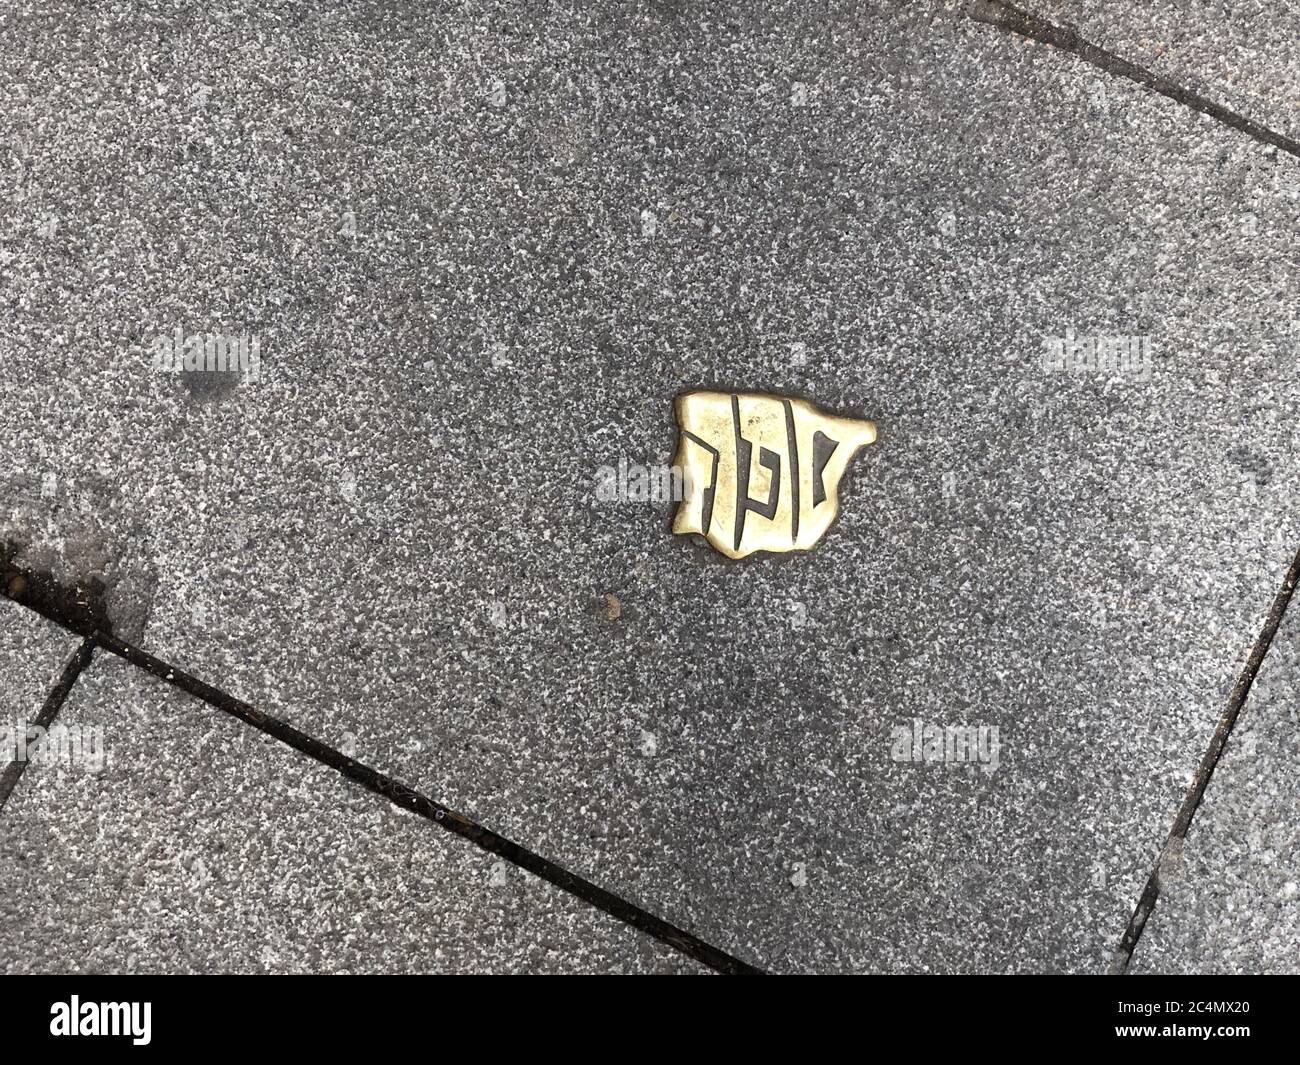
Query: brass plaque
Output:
(761,472)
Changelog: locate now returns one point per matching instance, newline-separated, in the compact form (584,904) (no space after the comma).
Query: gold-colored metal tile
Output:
(761,472)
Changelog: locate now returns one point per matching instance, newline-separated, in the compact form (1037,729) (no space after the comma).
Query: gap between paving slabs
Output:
(1201,779)
(1017,20)
(183,841)
(1086,52)
(79,609)
(43,595)
(80,659)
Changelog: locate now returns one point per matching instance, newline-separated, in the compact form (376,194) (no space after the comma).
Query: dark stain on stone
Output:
(81,606)
(208,385)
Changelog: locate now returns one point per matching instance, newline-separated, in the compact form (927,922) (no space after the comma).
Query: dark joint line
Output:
(1196,790)
(1008,17)
(49,711)
(67,608)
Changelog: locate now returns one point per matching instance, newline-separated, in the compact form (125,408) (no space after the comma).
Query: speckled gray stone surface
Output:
(1244,55)
(33,653)
(1234,905)
(203,846)
(483,248)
